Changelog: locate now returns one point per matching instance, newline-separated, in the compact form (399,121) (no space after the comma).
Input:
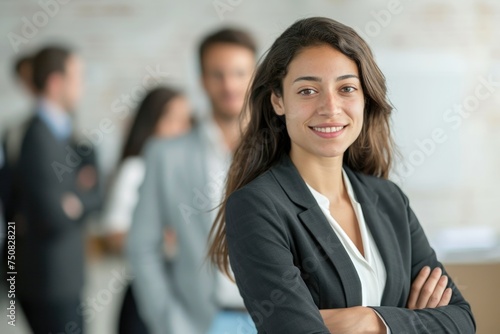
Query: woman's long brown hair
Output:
(265,139)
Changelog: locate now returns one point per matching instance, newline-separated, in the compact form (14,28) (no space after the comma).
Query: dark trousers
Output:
(130,321)
(53,317)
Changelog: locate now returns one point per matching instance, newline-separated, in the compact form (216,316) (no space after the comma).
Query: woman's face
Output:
(322,102)
(175,119)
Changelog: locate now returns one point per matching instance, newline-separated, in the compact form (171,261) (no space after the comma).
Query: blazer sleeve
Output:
(155,298)
(5,178)
(456,317)
(259,252)
(92,198)
(40,185)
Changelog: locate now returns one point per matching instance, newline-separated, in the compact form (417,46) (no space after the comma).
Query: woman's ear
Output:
(277,103)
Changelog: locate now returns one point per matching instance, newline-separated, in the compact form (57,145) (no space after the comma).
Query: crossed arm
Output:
(57,203)
(428,291)
(263,264)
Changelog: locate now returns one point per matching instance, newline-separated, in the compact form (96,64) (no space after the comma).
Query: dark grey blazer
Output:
(49,244)
(289,263)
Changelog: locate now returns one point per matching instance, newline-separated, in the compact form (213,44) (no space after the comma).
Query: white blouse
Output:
(370,268)
(123,196)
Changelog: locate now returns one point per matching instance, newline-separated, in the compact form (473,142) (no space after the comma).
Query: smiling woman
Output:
(322,99)
(319,240)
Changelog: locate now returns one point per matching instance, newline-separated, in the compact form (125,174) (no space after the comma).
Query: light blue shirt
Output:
(57,119)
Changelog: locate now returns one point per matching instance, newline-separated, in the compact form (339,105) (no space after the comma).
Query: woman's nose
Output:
(329,105)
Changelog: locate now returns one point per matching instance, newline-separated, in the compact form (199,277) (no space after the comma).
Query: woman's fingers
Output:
(429,290)
(437,295)
(417,285)
(445,300)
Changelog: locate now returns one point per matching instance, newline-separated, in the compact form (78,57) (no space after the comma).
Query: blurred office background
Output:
(441,59)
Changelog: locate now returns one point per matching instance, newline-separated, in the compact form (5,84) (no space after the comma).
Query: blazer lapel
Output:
(383,233)
(315,221)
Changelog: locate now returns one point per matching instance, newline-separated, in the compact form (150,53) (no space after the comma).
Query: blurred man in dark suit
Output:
(13,134)
(2,221)
(56,187)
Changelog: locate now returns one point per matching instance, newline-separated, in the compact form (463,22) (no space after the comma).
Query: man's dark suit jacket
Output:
(49,244)
(288,262)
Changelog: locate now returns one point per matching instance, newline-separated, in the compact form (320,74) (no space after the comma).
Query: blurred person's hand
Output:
(169,243)
(87,177)
(429,289)
(115,242)
(71,205)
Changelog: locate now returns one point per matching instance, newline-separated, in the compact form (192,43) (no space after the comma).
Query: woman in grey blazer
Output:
(319,240)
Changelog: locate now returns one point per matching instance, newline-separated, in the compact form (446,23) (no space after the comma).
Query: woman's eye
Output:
(348,89)
(307,92)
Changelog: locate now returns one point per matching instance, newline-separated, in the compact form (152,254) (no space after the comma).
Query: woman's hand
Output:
(353,320)
(429,290)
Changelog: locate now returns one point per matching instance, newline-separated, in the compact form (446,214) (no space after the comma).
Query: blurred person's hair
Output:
(265,140)
(47,61)
(20,63)
(228,35)
(149,112)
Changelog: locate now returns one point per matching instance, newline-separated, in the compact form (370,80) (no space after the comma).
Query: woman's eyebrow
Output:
(307,78)
(347,76)
(318,79)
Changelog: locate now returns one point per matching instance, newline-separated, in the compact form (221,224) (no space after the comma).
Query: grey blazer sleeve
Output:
(271,285)
(151,285)
(455,318)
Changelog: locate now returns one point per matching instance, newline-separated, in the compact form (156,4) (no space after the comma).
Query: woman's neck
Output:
(324,174)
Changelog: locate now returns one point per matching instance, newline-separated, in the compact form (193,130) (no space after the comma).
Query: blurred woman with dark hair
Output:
(164,112)
(320,241)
